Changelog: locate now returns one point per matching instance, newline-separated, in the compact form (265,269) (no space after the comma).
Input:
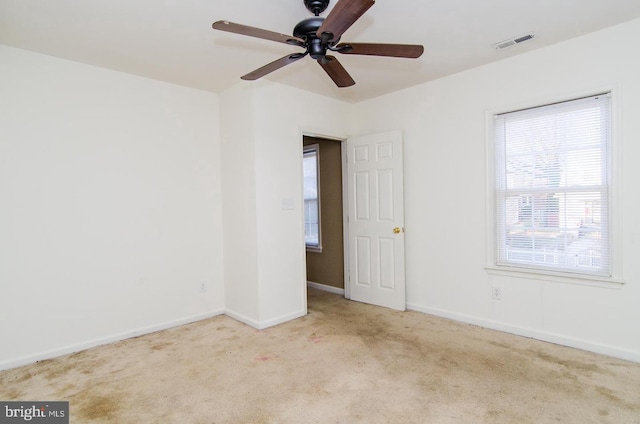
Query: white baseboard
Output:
(243,319)
(261,325)
(281,320)
(325,287)
(53,353)
(545,336)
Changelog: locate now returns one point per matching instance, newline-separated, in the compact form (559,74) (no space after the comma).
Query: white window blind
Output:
(311,196)
(553,187)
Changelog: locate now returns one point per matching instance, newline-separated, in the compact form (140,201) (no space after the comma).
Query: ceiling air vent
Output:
(513,41)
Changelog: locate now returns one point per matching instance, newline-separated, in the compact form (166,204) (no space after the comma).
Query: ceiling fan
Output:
(317,35)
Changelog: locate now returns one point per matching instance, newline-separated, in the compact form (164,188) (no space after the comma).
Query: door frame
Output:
(345,219)
(328,135)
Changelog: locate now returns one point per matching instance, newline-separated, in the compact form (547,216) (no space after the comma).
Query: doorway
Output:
(325,254)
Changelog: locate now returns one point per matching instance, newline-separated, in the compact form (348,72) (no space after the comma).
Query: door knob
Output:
(396,230)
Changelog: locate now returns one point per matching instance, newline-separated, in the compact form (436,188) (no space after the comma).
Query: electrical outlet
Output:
(203,287)
(496,293)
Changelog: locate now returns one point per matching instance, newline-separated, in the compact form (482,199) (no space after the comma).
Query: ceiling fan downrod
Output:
(316,6)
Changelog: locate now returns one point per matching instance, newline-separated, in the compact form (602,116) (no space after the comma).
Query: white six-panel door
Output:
(376,220)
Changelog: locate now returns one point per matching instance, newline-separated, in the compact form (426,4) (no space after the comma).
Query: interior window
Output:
(311,160)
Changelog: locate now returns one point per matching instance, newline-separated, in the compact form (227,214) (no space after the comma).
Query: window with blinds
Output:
(311,181)
(553,187)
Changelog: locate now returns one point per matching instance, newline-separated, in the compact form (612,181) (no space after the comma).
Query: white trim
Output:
(320,133)
(54,353)
(243,319)
(261,325)
(490,196)
(615,204)
(324,287)
(557,277)
(280,320)
(345,221)
(603,349)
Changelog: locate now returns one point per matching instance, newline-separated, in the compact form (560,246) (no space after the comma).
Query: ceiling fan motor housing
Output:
(306,29)
(316,6)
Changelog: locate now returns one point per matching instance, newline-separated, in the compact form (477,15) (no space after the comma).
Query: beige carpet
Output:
(345,362)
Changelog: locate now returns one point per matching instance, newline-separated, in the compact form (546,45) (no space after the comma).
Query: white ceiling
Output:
(172,40)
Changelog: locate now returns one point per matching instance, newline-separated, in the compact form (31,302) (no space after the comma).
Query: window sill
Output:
(314,249)
(557,277)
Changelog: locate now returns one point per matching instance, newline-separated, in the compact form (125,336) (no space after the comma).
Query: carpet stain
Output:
(13,394)
(94,407)
(617,401)
(315,339)
(56,370)
(506,416)
(24,377)
(161,346)
(567,362)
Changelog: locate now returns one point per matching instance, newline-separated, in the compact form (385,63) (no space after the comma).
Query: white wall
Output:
(281,115)
(110,212)
(446,242)
(239,204)
(262,127)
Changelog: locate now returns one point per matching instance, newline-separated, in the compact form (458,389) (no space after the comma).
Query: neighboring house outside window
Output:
(552,187)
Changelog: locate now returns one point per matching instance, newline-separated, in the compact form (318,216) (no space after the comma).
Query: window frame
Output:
(615,280)
(313,148)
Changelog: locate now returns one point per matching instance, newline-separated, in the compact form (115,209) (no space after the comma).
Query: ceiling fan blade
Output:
(411,51)
(273,66)
(257,32)
(336,71)
(341,17)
